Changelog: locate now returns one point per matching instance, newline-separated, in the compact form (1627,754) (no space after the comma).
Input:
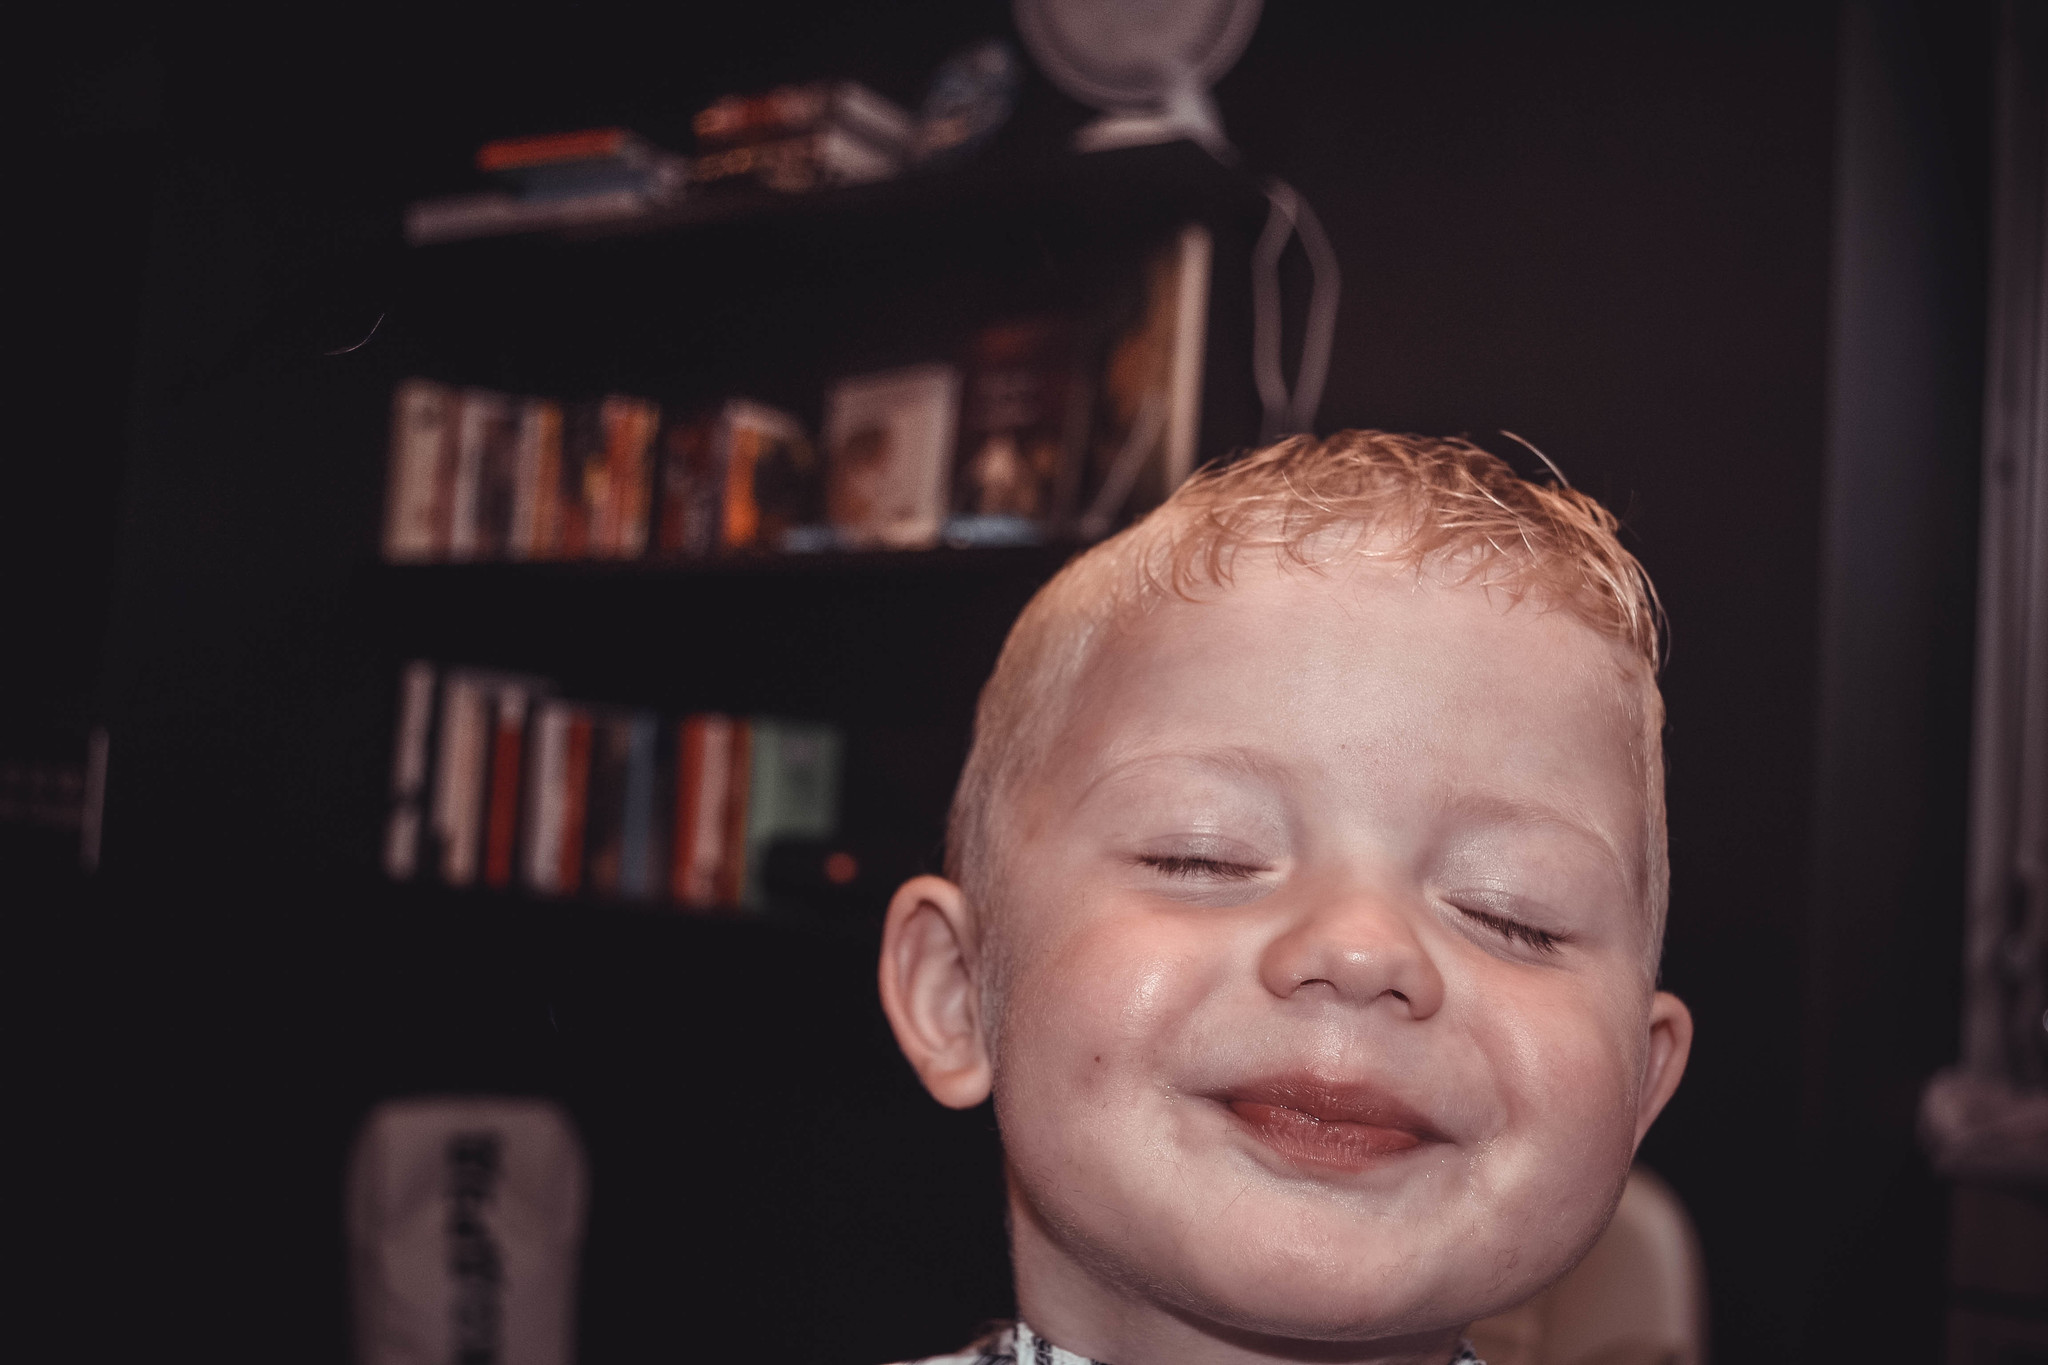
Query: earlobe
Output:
(930,993)
(1664,1063)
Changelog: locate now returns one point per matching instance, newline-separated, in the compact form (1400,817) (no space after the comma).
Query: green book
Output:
(792,791)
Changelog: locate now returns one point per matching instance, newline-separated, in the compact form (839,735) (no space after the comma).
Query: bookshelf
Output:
(252,697)
(773,297)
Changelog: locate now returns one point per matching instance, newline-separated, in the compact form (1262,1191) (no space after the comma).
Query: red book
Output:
(705,769)
(501,824)
(575,804)
(589,144)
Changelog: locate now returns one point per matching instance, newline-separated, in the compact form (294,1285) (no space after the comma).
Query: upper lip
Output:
(1335,1101)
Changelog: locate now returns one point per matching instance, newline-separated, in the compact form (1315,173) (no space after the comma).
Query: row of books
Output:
(497,782)
(1043,429)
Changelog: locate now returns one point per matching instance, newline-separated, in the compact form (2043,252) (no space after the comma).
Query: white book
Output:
(458,812)
(889,443)
(417,487)
(480,422)
(546,793)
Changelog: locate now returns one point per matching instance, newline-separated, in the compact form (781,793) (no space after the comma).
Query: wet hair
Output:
(1410,502)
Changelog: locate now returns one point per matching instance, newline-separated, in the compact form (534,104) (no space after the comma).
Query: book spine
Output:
(501,825)
(584,480)
(546,796)
(459,777)
(537,480)
(703,753)
(409,770)
(637,838)
(737,445)
(730,884)
(575,801)
(465,529)
(692,487)
(629,428)
(420,472)
(793,791)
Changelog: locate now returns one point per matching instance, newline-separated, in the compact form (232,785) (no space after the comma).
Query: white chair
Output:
(1639,1297)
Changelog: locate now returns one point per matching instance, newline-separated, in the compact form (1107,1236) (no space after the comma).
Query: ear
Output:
(1664,1064)
(929,991)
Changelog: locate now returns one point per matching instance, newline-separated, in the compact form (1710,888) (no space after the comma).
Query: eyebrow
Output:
(1231,760)
(1501,808)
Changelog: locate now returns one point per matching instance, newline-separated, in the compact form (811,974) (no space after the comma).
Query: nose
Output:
(1361,948)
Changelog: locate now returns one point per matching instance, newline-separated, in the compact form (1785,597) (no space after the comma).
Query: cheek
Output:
(1096,1014)
(1569,1062)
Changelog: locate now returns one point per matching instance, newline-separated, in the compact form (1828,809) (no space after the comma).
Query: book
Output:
(459,772)
(556,798)
(611,740)
(707,846)
(554,149)
(584,478)
(555,181)
(889,439)
(477,774)
(770,473)
(740,120)
(510,784)
(537,496)
(567,166)
(409,770)
(1149,416)
(501,815)
(419,489)
(641,827)
(619,524)
(605,474)
(498,213)
(792,791)
(818,159)
(690,486)
(1023,432)
(486,472)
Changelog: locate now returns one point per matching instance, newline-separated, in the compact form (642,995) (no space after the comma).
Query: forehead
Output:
(1426,690)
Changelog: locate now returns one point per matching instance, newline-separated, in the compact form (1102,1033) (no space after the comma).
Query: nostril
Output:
(1400,997)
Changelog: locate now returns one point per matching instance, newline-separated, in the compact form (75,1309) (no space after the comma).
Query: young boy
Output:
(1306,891)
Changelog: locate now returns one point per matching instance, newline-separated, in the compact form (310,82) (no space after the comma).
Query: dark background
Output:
(1723,264)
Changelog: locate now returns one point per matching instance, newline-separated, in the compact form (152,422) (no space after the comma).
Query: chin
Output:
(1348,1294)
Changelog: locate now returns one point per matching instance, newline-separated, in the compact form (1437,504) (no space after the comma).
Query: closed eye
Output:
(1198,869)
(1542,940)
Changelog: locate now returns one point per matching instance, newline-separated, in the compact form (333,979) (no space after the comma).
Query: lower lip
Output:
(1332,1144)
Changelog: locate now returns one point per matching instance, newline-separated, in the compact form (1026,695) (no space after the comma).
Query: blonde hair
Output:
(1409,501)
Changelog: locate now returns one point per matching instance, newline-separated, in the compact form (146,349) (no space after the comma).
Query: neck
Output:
(1076,1307)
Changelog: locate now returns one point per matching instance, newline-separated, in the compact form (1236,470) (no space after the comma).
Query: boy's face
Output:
(1326,1012)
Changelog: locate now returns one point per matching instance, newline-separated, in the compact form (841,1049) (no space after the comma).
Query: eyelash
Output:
(1542,940)
(1189,869)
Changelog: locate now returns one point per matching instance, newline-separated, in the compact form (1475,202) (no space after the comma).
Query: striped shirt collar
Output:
(1020,1345)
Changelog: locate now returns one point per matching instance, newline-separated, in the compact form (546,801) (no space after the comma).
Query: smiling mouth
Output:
(1329,1127)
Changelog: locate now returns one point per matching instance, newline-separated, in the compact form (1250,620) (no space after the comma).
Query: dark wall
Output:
(1612,232)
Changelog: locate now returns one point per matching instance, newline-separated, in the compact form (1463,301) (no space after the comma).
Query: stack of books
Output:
(497,782)
(803,137)
(558,180)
